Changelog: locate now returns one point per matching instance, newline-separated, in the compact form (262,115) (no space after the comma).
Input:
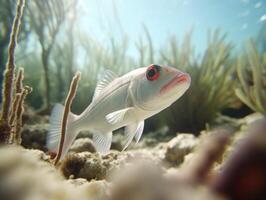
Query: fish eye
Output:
(153,72)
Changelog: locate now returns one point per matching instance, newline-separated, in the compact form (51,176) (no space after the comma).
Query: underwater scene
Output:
(133,100)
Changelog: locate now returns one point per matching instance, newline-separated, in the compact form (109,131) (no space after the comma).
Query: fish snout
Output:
(183,77)
(178,79)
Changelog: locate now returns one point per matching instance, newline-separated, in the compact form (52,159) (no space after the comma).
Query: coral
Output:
(19,79)
(17,110)
(180,146)
(19,113)
(5,128)
(252,79)
(18,90)
(14,110)
(15,104)
(69,99)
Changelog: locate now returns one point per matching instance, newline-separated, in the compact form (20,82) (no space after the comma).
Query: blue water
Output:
(241,19)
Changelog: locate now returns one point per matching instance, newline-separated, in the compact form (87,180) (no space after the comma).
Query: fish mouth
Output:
(178,79)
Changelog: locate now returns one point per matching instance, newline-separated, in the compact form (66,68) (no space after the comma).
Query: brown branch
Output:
(19,79)
(20,110)
(69,99)
(9,74)
(14,110)
(20,94)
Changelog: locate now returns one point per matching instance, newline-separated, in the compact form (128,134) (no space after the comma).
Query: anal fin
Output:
(132,130)
(102,141)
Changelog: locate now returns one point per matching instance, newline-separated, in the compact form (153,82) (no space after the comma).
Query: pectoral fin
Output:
(117,116)
(102,141)
(132,130)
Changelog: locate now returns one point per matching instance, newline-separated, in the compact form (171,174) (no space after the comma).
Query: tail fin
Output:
(54,133)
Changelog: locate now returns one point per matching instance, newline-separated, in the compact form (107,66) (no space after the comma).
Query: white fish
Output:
(124,101)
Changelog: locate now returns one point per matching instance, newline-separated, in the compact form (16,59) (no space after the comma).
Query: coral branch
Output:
(19,87)
(19,112)
(9,74)
(69,99)
(13,115)
(19,79)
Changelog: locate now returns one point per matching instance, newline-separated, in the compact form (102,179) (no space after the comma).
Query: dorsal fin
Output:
(106,77)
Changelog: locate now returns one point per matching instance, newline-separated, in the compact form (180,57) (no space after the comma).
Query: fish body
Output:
(124,101)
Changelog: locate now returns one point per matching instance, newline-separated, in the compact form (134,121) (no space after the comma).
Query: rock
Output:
(84,134)
(24,175)
(34,136)
(82,145)
(151,139)
(31,117)
(77,181)
(98,167)
(251,118)
(117,142)
(144,180)
(140,181)
(180,146)
(97,190)
(84,165)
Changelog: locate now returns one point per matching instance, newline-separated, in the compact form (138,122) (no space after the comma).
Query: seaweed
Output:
(5,127)
(212,86)
(47,18)
(251,73)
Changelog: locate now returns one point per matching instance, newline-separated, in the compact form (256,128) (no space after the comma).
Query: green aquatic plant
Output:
(251,73)
(46,20)
(112,55)
(212,86)
(145,48)
(5,126)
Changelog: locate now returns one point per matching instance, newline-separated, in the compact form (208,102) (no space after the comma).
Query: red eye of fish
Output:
(153,72)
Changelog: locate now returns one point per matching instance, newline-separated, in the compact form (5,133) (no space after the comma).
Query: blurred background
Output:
(222,44)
